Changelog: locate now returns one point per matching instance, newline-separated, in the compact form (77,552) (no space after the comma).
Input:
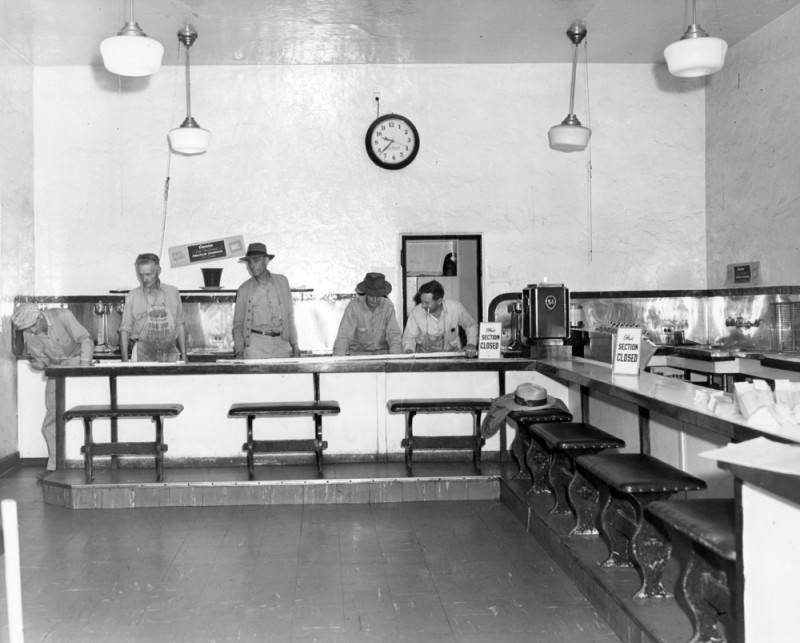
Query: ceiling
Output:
(299,32)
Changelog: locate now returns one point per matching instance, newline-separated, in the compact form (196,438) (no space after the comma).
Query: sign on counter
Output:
(201,251)
(489,340)
(627,351)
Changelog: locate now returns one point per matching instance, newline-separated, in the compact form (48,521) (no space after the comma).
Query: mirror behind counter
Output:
(208,319)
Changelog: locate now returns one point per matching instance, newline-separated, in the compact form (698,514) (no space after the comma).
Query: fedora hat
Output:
(257,250)
(374,285)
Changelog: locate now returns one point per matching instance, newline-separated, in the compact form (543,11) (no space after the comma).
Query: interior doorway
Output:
(453,260)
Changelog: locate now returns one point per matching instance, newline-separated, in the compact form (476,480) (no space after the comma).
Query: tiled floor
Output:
(419,571)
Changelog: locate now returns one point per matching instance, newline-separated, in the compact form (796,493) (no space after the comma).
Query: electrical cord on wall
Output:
(589,245)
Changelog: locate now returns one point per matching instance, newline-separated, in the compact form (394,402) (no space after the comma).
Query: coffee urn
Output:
(545,313)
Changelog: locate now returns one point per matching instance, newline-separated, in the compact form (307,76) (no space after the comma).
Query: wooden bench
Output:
(472,442)
(627,483)
(704,536)
(251,411)
(90,448)
(562,443)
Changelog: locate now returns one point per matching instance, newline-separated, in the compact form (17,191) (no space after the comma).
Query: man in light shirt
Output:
(52,337)
(432,326)
(263,317)
(369,324)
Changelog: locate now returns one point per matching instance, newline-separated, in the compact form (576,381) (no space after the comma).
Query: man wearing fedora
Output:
(369,324)
(263,317)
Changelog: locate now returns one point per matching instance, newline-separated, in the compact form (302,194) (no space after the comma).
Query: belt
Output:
(268,333)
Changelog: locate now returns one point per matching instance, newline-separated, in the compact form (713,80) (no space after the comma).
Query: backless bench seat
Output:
(90,448)
(251,411)
(703,533)
(627,483)
(473,442)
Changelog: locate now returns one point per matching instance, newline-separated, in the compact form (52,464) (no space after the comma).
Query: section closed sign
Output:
(627,351)
(489,340)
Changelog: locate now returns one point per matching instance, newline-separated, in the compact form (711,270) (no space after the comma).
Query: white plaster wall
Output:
(287,165)
(16,203)
(753,192)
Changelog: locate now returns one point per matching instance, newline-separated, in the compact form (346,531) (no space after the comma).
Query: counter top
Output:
(349,364)
(668,396)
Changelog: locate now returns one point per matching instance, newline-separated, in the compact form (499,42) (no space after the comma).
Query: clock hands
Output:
(391,142)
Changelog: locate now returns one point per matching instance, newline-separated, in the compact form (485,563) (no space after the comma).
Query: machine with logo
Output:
(545,313)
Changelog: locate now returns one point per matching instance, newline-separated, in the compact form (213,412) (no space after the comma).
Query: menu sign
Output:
(489,340)
(212,250)
(628,343)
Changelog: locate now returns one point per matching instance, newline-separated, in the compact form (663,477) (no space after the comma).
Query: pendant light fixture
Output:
(189,138)
(570,135)
(131,52)
(696,53)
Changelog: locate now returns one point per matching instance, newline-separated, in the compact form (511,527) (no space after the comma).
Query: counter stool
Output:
(627,483)
(531,462)
(90,448)
(251,411)
(704,536)
(472,442)
(563,442)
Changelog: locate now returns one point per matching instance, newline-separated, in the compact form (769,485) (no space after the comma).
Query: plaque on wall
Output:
(743,274)
(199,252)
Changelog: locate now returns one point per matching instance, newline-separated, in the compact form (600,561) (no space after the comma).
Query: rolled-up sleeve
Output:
(411,333)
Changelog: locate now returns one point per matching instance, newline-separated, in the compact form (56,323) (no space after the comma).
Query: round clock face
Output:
(392,141)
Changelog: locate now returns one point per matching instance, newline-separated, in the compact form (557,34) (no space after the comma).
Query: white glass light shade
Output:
(132,55)
(695,57)
(189,140)
(569,138)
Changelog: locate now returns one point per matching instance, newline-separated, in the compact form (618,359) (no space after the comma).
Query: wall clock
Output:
(392,141)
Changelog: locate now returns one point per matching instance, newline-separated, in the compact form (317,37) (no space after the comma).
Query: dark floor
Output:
(414,571)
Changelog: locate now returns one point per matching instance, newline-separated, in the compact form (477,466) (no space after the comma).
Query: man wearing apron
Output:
(152,317)
(263,317)
(432,326)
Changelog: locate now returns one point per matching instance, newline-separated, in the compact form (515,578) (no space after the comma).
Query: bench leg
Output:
(538,461)
(476,435)
(251,473)
(704,591)
(559,477)
(159,448)
(519,447)
(409,442)
(614,514)
(319,445)
(585,501)
(88,450)
(651,550)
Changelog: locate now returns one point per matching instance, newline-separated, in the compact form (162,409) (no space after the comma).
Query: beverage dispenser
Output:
(545,312)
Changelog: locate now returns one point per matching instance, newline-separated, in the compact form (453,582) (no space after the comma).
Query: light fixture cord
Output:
(589,229)
(188,84)
(130,12)
(572,86)
(165,201)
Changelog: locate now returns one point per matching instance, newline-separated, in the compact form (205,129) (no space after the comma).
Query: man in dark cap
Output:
(369,324)
(263,317)
(52,336)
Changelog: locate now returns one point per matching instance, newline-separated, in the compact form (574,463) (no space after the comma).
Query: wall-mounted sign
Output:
(743,274)
(627,345)
(206,251)
(489,340)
